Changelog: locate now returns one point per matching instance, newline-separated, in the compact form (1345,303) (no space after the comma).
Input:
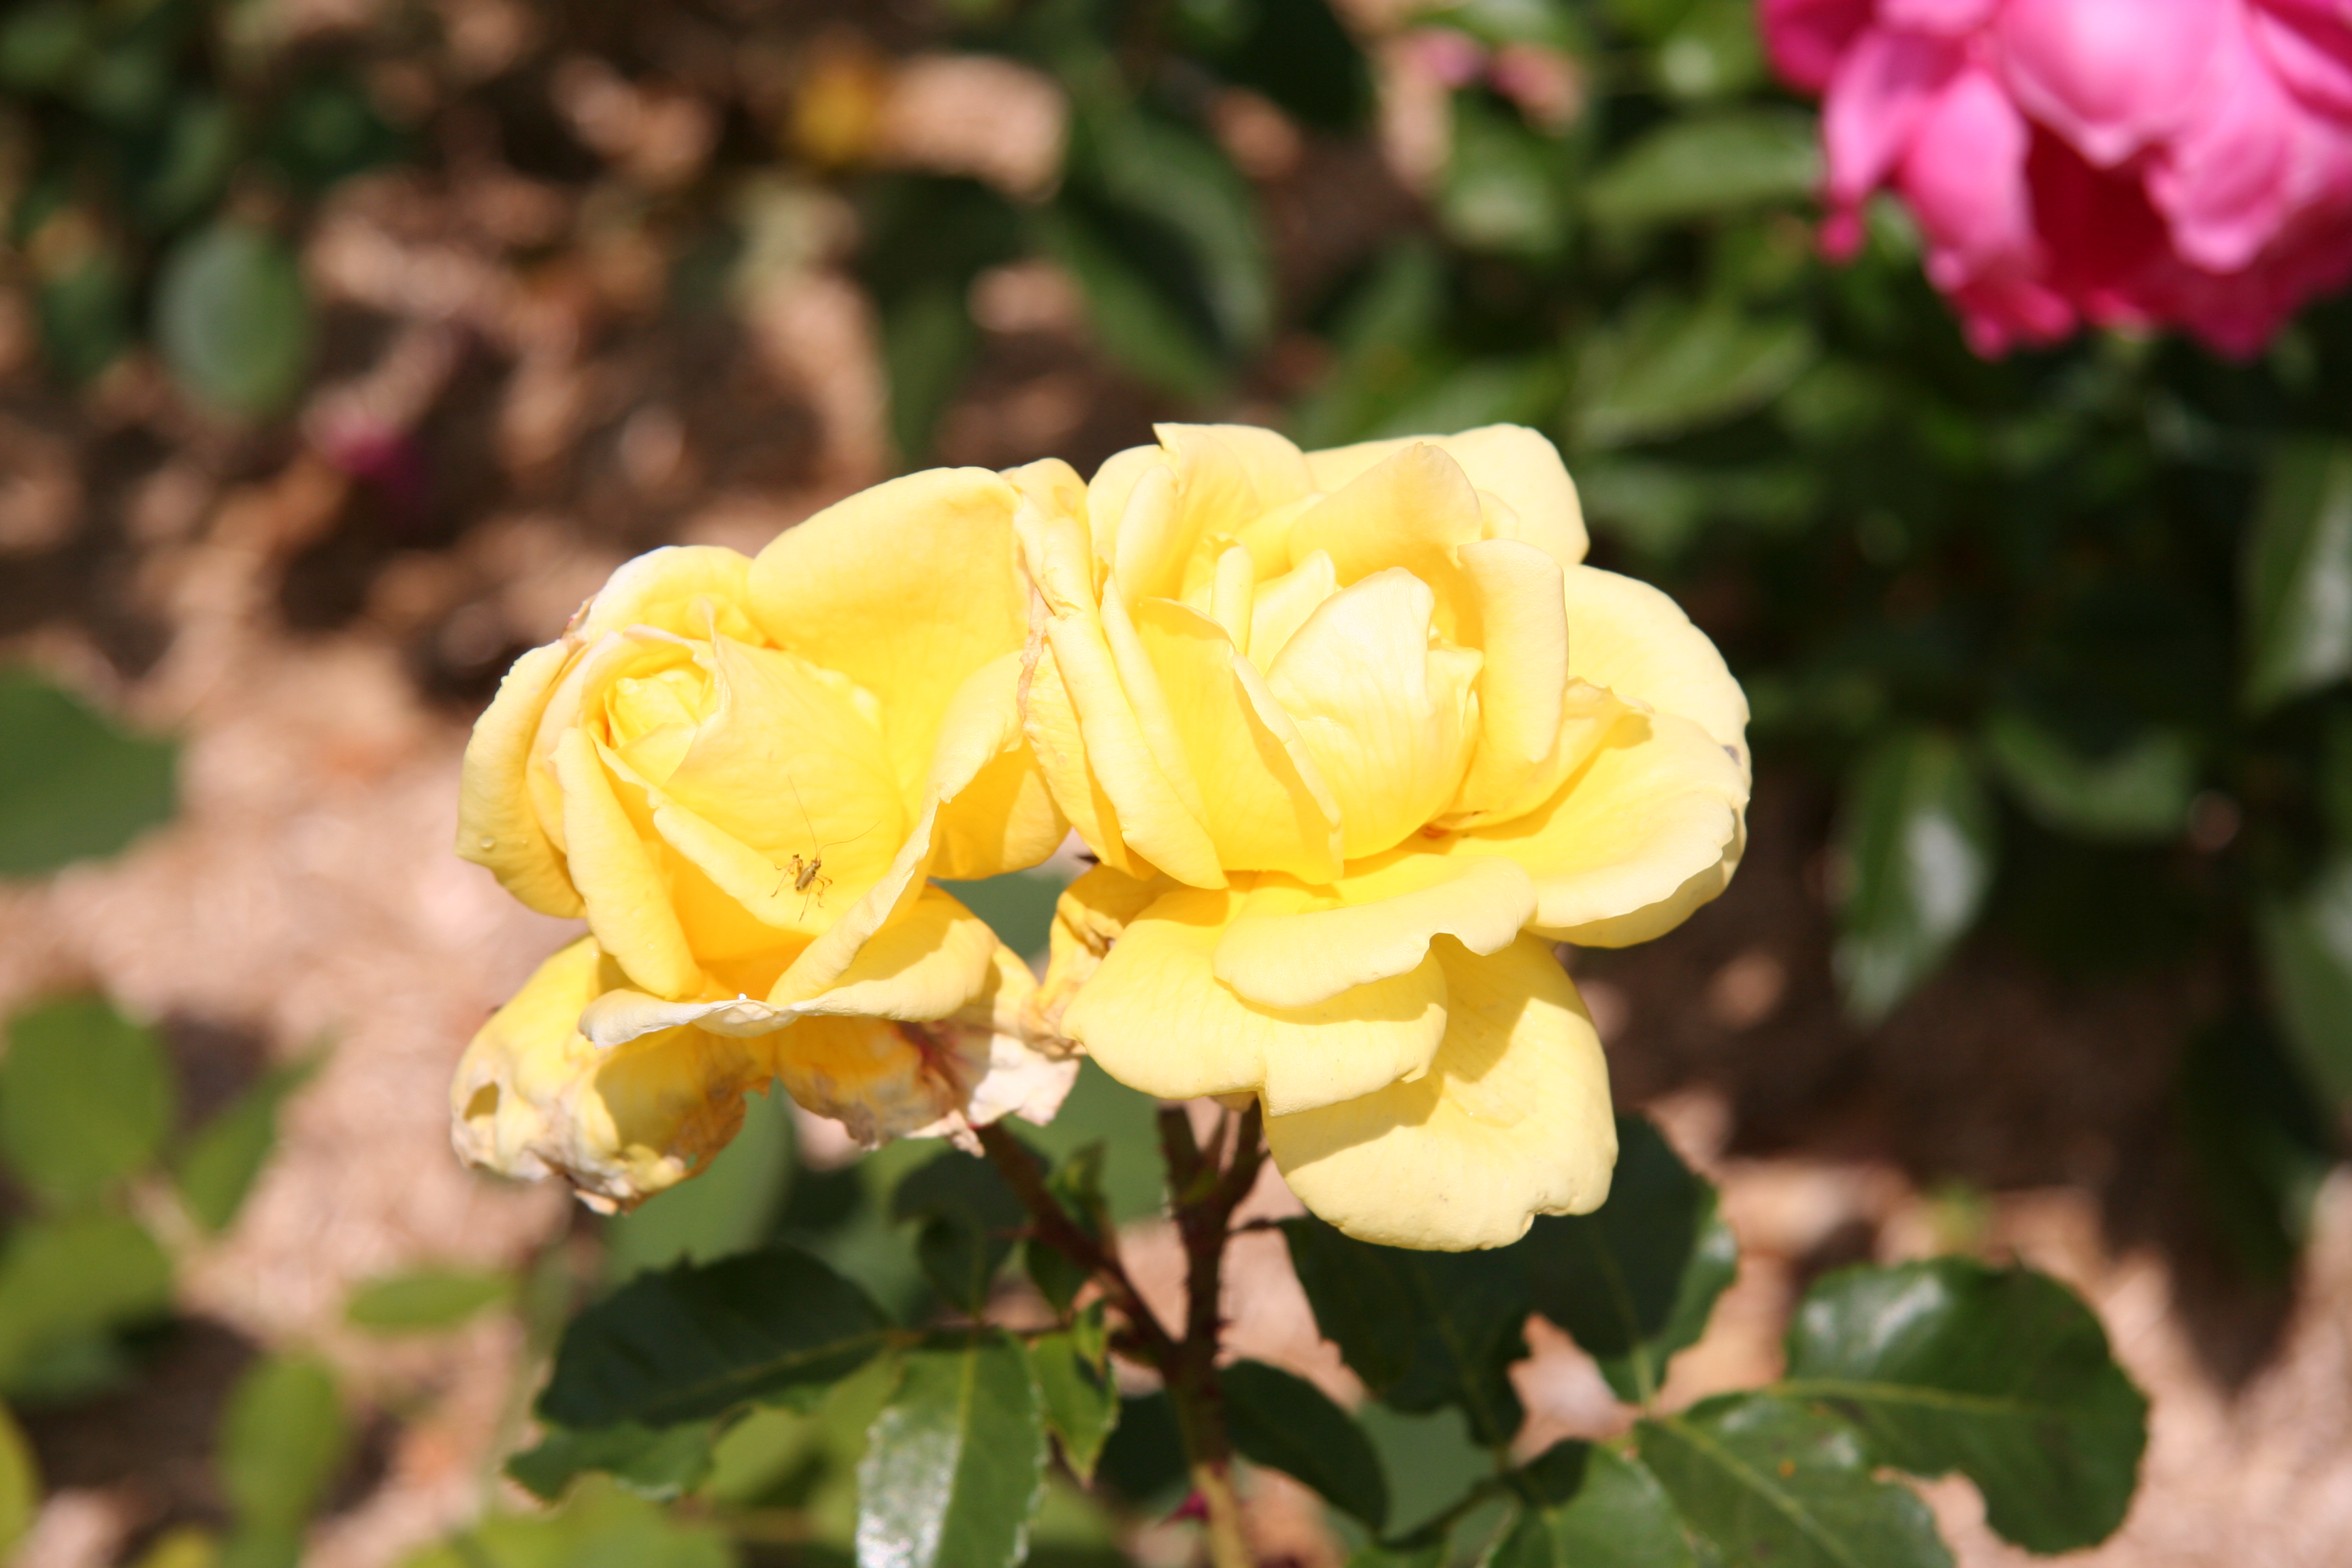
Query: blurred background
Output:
(346,345)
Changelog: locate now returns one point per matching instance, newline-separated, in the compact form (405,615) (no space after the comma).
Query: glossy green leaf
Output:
(20,1483)
(1591,1508)
(599,1528)
(2298,574)
(2001,1374)
(1709,166)
(1433,1464)
(2139,790)
(425,1300)
(971,1219)
(71,784)
(696,1341)
(283,1440)
(1144,1461)
(86,1098)
(1670,367)
(1916,846)
(63,1281)
(2304,937)
(233,320)
(1766,1481)
(955,1464)
(217,1168)
(1633,1283)
(1076,1393)
(1421,1329)
(1281,1421)
(658,1463)
(732,1206)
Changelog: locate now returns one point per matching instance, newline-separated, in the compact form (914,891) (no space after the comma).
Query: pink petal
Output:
(1964,176)
(2309,44)
(1945,18)
(1882,88)
(2104,240)
(2229,179)
(2110,76)
(1805,38)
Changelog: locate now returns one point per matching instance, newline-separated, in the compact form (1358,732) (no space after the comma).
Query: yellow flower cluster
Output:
(1354,736)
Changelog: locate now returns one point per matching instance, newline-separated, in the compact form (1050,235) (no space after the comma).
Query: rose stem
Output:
(1204,1196)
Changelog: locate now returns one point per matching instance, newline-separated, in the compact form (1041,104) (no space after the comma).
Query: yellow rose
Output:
(1356,735)
(742,773)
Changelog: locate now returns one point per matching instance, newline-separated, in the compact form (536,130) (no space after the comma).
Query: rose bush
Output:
(2123,162)
(1356,735)
(742,773)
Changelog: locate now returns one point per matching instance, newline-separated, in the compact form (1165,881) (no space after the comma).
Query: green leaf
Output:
(283,1440)
(1634,1283)
(1076,1184)
(1704,166)
(1669,367)
(663,1463)
(2260,1141)
(62,1280)
(699,1340)
(20,1484)
(233,320)
(86,1098)
(41,44)
(1281,1421)
(1296,52)
(970,1218)
(1076,1393)
(732,1206)
(1767,1480)
(1592,1508)
(221,1162)
(2304,937)
(599,1528)
(85,316)
(71,784)
(1714,53)
(1916,847)
(1502,189)
(1165,173)
(928,344)
(2001,1374)
(259,1546)
(2298,574)
(1421,1329)
(2139,790)
(425,1300)
(1137,328)
(955,1464)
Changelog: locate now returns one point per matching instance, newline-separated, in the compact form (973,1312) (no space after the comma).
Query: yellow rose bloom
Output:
(742,773)
(1356,735)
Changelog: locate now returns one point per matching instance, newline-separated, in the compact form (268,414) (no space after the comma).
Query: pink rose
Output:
(2117,162)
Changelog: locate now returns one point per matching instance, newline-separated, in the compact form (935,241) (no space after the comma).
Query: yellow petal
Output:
(1205,486)
(1516,465)
(676,589)
(1411,509)
(1264,803)
(1157,1018)
(1004,818)
(1522,628)
(497,825)
(1089,916)
(931,961)
(790,766)
(1276,470)
(1049,720)
(1658,805)
(1624,931)
(1511,1121)
(906,588)
(1108,494)
(1388,719)
(1282,604)
(1631,638)
(1394,909)
(628,903)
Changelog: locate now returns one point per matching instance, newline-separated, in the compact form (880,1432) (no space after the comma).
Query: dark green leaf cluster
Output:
(1926,1368)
